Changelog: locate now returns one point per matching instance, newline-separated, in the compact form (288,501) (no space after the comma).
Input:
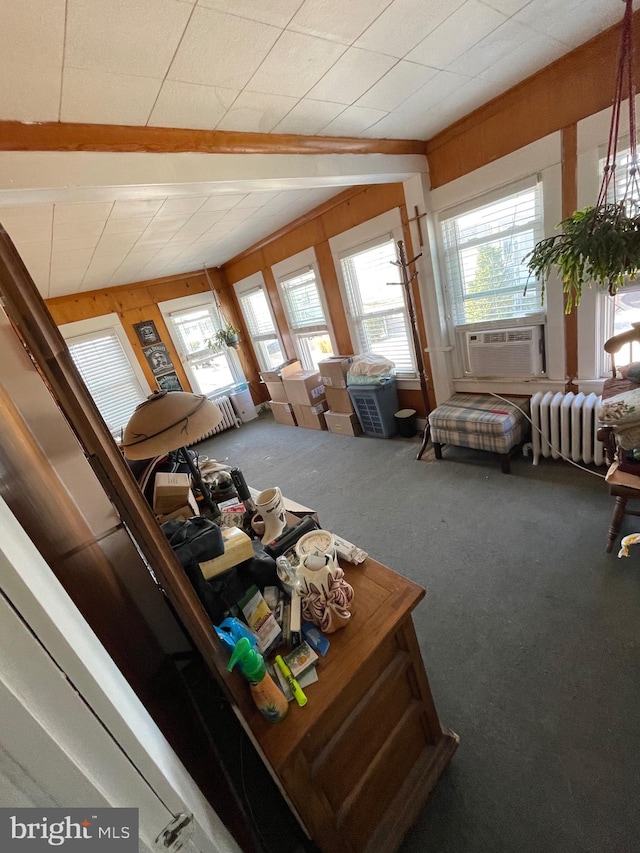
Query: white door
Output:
(73,733)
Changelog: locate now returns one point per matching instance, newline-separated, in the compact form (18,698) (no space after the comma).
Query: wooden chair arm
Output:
(606,435)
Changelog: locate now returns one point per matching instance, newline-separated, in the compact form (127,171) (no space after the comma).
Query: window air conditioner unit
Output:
(507,352)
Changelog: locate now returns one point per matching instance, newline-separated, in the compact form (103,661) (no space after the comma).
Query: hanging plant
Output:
(228,336)
(600,245)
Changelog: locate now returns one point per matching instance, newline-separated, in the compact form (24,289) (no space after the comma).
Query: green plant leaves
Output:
(599,245)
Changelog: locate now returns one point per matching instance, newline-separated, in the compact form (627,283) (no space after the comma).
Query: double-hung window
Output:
(376,308)
(623,309)
(108,374)
(260,325)
(485,243)
(303,305)
(191,329)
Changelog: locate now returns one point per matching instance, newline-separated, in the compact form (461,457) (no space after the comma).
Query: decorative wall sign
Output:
(147,332)
(158,358)
(169,382)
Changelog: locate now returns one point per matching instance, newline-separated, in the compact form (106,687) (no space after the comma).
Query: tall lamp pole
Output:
(407,279)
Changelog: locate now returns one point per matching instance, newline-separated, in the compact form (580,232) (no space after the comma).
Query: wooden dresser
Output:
(358,762)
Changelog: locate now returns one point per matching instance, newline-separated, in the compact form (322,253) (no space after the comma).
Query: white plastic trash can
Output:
(243,404)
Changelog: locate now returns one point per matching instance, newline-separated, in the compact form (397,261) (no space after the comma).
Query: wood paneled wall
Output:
(345,211)
(137,302)
(573,87)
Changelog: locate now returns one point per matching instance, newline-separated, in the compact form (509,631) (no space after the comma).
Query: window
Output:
(209,372)
(306,316)
(262,330)
(623,309)
(377,311)
(108,375)
(484,247)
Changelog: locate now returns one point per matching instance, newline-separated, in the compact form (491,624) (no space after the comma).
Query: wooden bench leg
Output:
(616,521)
(437,449)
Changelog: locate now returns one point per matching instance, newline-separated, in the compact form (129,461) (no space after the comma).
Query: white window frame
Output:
(596,311)
(286,269)
(387,226)
(193,302)
(241,288)
(541,157)
(107,323)
(496,195)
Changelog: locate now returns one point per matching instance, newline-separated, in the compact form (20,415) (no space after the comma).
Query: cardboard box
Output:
(170,492)
(304,387)
(339,400)
(343,424)
(189,509)
(311,417)
(273,380)
(283,413)
(333,371)
(237,549)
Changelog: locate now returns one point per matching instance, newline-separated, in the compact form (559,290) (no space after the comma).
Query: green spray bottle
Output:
(269,699)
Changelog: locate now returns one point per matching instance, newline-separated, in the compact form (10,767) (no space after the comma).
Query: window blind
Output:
(485,249)
(262,330)
(377,308)
(256,313)
(302,301)
(108,375)
(621,183)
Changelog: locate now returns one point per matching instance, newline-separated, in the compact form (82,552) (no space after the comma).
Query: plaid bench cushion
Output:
(480,422)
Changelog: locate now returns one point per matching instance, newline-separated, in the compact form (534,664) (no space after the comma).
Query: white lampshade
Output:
(166,421)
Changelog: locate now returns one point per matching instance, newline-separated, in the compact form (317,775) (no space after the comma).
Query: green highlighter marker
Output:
(297,691)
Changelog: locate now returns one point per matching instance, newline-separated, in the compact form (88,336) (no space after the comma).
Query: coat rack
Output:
(407,279)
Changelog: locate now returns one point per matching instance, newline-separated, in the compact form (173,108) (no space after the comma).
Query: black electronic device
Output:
(290,536)
(237,477)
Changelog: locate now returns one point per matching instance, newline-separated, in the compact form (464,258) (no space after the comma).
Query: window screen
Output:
(485,247)
(108,375)
(376,307)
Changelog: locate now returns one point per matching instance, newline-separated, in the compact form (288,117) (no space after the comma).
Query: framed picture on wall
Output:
(169,382)
(147,332)
(158,358)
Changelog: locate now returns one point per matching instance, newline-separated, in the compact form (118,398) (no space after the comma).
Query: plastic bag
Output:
(372,365)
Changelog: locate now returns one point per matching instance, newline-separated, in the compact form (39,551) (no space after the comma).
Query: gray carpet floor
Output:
(529,631)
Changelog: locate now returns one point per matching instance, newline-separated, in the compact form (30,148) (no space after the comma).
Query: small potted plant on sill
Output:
(598,244)
(225,337)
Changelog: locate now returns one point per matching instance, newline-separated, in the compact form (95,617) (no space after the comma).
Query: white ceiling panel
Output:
(88,212)
(97,97)
(404,24)
(174,207)
(507,7)
(462,30)
(70,230)
(130,37)
(575,24)
(191,105)
(79,259)
(355,72)
(493,47)
(295,64)
(332,19)
(221,202)
(221,50)
(74,244)
(134,209)
(309,117)
(31,59)
(396,86)
(275,12)
(257,113)
(353,121)
(520,63)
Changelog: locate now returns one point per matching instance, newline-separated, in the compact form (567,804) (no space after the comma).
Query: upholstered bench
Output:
(481,422)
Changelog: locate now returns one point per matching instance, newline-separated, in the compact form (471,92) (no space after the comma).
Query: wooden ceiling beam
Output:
(62,136)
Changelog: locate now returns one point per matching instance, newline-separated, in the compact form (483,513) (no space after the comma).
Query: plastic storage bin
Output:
(243,404)
(376,406)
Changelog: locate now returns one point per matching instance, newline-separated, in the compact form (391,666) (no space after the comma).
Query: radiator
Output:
(568,424)
(229,417)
